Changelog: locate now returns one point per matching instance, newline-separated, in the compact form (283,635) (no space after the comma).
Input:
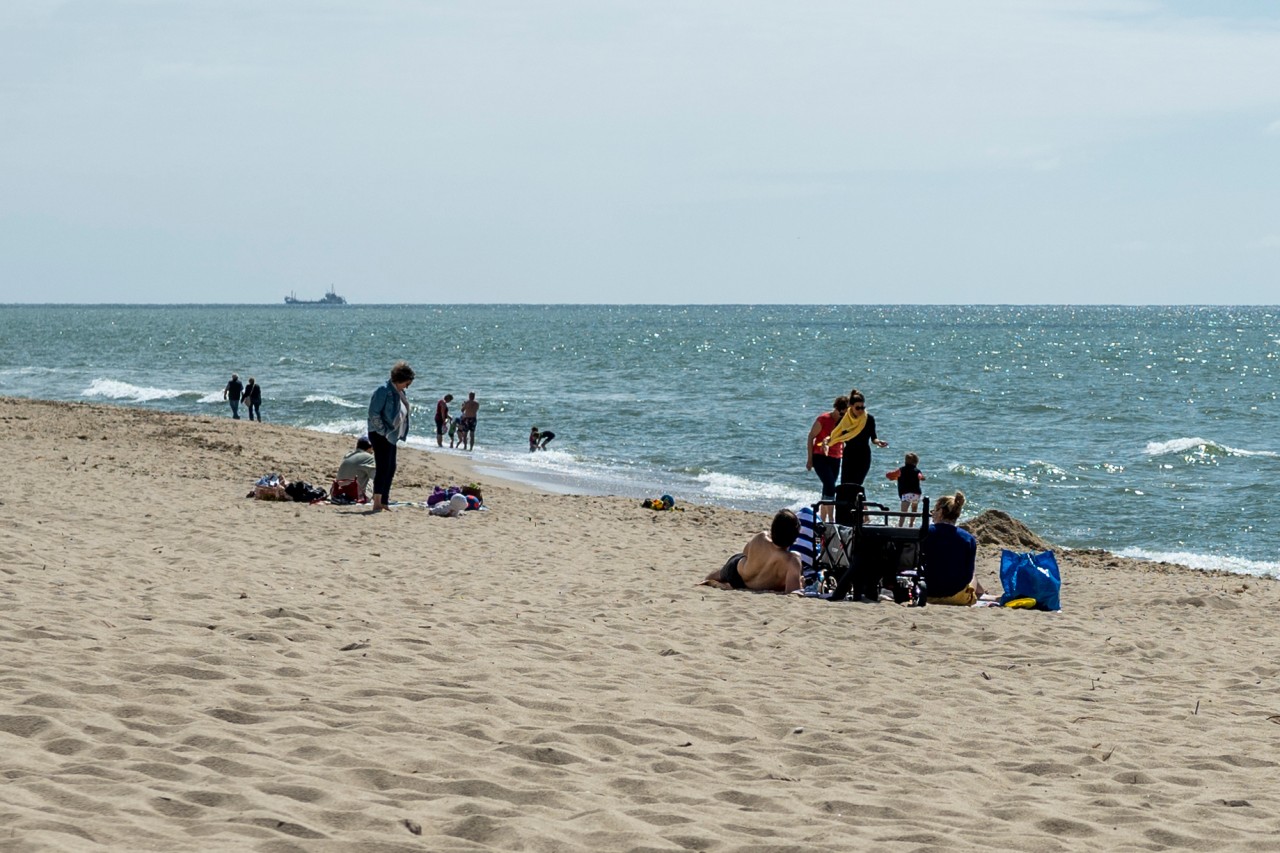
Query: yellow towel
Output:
(849,426)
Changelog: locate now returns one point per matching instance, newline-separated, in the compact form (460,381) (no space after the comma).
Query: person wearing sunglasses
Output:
(857,451)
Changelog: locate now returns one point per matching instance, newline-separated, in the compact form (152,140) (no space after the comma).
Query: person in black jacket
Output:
(253,398)
(232,394)
(857,450)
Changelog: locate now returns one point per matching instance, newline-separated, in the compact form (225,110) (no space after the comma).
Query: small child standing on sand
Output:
(909,478)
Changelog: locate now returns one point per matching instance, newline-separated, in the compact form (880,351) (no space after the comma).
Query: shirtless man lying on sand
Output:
(765,564)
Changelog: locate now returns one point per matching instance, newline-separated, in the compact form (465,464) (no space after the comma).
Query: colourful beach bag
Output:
(1024,574)
(347,490)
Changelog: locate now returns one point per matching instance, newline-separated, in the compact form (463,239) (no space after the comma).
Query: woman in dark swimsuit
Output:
(857,450)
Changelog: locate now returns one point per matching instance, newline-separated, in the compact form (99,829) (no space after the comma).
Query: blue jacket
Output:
(383,408)
(950,556)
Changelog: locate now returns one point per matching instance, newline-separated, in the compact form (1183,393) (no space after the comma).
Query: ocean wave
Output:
(352,427)
(112,389)
(1208,562)
(730,487)
(1049,469)
(1201,447)
(330,398)
(1013,475)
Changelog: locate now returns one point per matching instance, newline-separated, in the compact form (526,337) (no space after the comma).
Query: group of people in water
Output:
(461,428)
(838,450)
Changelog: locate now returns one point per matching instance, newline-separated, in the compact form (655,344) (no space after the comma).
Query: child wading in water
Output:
(539,440)
(909,478)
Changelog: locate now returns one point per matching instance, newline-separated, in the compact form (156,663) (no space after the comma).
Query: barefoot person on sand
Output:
(388,424)
(765,564)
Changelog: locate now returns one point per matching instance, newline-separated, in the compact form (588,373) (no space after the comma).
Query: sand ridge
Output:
(185,669)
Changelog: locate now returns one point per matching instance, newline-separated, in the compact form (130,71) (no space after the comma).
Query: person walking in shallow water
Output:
(232,394)
(252,397)
(388,424)
(442,418)
(468,429)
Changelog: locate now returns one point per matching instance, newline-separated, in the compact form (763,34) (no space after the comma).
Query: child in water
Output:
(539,440)
(453,429)
(909,478)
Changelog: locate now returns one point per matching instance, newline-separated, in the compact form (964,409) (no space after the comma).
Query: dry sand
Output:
(185,669)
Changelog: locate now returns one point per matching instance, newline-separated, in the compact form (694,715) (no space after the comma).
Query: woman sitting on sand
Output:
(950,555)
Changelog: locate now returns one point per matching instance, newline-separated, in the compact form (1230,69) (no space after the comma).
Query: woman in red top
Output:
(824,460)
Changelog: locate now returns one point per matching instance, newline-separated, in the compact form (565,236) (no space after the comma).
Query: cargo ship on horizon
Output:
(330,298)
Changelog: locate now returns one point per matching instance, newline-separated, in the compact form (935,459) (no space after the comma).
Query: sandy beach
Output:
(183,668)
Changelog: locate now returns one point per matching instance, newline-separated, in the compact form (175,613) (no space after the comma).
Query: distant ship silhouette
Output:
(330,298)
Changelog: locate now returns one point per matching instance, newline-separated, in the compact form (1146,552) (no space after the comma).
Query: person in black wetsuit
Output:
(857,450)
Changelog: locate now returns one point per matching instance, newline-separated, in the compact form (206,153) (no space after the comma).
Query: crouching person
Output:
(765,564)
(354,473)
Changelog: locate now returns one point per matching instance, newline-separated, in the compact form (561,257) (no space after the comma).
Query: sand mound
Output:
(993,527)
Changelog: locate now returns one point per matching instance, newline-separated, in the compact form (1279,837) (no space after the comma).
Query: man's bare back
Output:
(763,566)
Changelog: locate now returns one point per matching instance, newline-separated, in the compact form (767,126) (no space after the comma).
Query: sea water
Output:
(1148,431)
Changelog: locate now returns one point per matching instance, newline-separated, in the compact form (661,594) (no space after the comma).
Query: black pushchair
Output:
(862,553)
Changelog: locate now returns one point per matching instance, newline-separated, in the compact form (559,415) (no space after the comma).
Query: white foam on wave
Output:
(113,389)
(330,398)
(1208,562)
(730,487)
(342,427)
(1015,477)
(1201,447)
(1049,468)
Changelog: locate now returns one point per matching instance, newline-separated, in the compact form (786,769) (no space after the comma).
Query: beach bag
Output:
(270,487)
(303,492)
(346,491)
(1025,574)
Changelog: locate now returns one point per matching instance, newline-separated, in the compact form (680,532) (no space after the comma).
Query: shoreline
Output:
(464,467)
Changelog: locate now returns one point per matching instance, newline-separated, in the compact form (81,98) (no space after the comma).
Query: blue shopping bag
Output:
(1024,574)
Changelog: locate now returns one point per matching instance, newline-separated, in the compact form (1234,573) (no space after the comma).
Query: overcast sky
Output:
(640,151)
